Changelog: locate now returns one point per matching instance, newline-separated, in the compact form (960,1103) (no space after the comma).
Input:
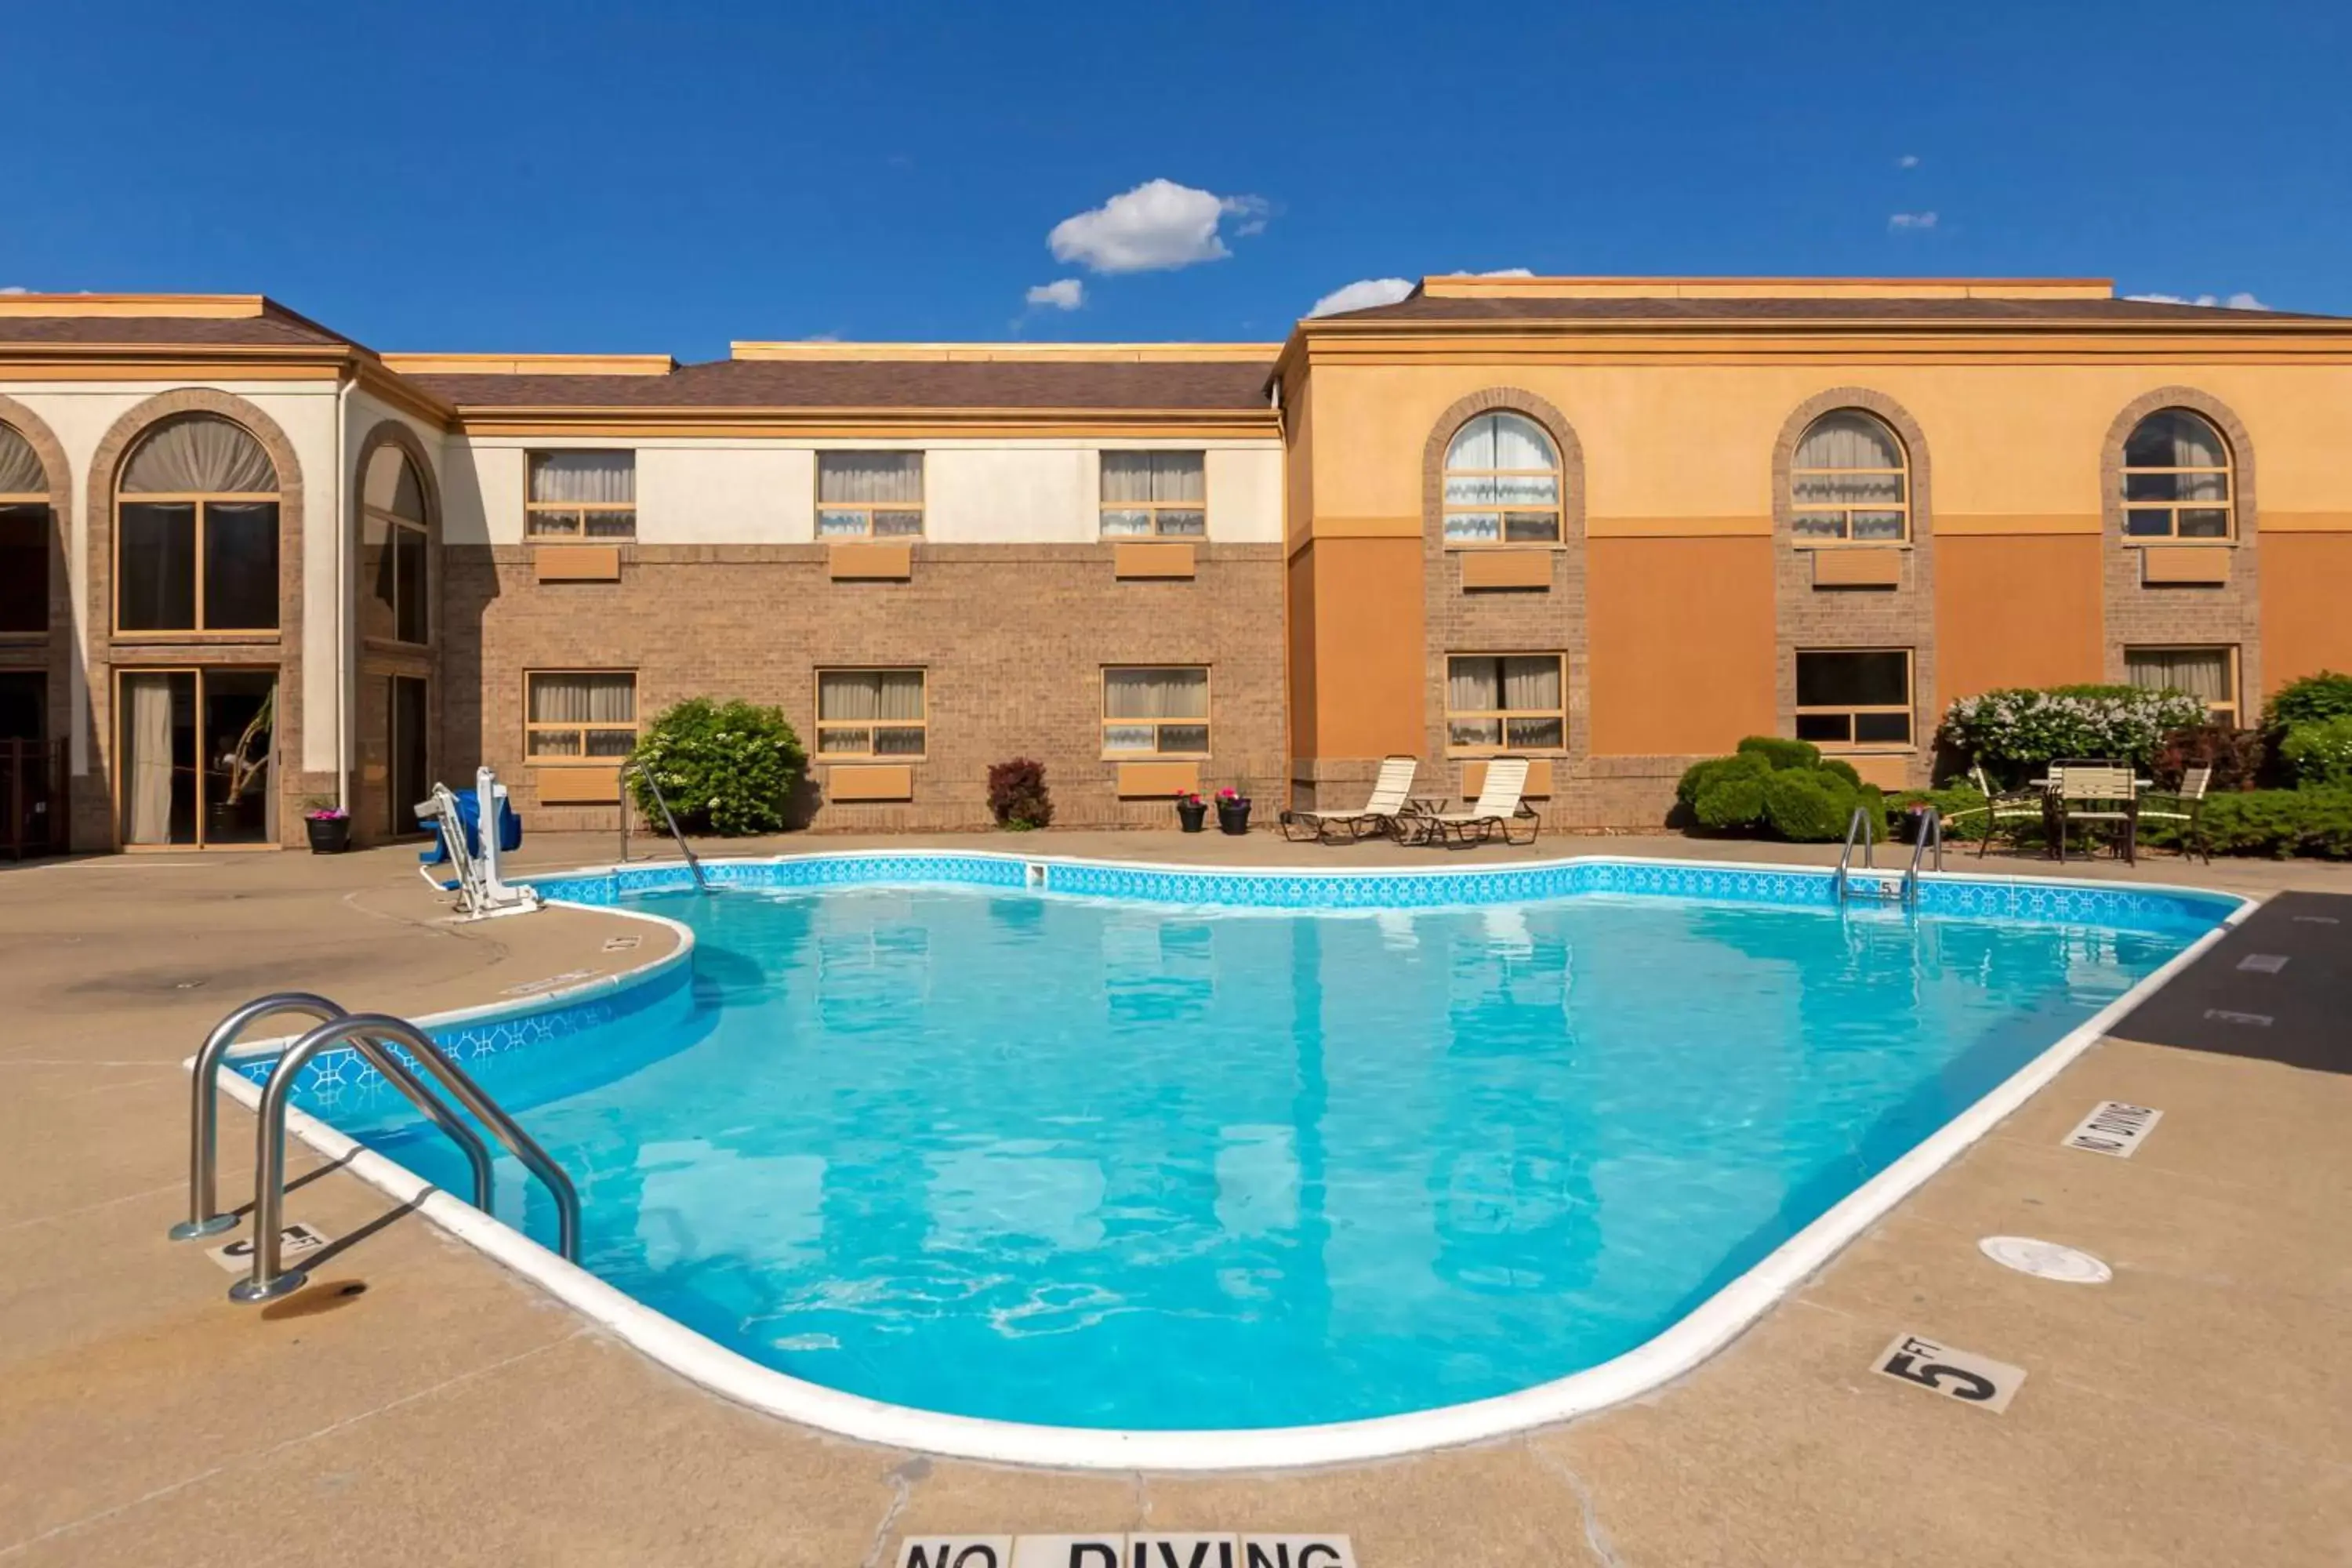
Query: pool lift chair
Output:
(471,843)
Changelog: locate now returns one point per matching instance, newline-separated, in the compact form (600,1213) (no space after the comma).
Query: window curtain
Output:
(584,700)
(147,788)
(1139,478)
(1849,440)
(2202,672)
(199,454)
(584,478)
(869,479)
(391,486)
(2175,438)
(870,696)
(21,473)
(1156,693)
(1522,685)
(1501,441)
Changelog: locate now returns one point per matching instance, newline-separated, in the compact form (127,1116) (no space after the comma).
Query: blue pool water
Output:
(1100,1164)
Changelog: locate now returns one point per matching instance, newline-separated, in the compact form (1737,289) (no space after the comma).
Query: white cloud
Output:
(1061,294)
(1158,225)
(1366,292)
(2241,301)
(1901,221)
(1908,161)
(1362,294)
(15,288)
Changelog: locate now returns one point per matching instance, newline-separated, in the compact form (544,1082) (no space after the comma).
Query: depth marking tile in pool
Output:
(1153,1154)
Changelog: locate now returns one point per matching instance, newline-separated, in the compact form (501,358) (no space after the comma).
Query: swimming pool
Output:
(1150,1154)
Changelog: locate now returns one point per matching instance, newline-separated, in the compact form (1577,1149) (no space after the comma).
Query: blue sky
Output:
(591,176)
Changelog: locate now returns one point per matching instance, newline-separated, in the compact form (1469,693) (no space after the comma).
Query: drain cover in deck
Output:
(2045,1259)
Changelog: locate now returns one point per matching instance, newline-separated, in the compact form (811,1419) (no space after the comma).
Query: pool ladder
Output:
(1859,828)
(644,773)
(372,1036)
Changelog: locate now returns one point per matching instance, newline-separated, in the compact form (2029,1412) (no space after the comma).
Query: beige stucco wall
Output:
(81,414)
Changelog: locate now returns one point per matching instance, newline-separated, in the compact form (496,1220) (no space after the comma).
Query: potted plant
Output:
(1192,812)
(328,825)
(1233,810)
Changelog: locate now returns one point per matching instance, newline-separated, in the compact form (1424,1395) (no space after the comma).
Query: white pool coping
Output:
(1690,1340)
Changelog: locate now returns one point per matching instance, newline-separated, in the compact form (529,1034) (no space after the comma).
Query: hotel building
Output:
(1610,524)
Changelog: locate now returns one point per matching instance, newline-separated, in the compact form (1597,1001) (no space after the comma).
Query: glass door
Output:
(410,754)
(196,757)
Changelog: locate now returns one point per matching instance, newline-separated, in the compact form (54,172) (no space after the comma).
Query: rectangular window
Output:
(197,566)
(23,566)
(1156,710)
(1506,702)
(1854,698)
(2210,673)
(870,495)
(579,715)
(1154,494)
(582,495)
(871,714)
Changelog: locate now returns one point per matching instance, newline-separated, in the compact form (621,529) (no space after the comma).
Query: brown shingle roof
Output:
(1220,385)
(1421,307)
(274,328)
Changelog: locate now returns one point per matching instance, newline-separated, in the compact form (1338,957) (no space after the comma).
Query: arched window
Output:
(24,537)
(196,531)
(2176,478)
(1502,483)
(392,535)
(1850,482)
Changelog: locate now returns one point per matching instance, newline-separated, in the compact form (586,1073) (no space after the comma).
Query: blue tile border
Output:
(343,1074)
(2120,907)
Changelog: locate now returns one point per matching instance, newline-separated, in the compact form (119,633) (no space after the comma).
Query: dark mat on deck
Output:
(2239,1000)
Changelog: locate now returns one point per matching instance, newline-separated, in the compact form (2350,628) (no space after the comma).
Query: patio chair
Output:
(2001,805)
(1391,799)
(1498,807)
(2096,792)
(2188,808)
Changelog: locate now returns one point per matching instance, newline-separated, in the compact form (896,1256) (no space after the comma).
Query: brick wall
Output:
(2138,616)
(1901,617)
(1014,638)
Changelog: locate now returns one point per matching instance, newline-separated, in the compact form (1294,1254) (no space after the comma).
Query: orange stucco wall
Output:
(1366,683)
(1682,644)
(2017,611)
(2307,605)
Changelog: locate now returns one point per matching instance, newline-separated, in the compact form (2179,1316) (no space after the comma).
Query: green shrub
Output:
(1842,769)
(2023,730)
(2278,822)
(2313,699)
(1779,753)
(1806,806)
(726,768)
(1699,775)
(1963,801)
(1733,800)
(2320,751)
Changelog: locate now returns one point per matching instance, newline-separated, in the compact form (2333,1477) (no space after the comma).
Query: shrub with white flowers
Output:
(726,768)
(2025,728)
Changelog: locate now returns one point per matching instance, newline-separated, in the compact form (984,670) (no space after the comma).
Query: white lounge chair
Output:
(1498,806)
(1391,799)
(2186,806)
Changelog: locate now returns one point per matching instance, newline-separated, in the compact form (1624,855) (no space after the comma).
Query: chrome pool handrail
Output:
(1931,827)
(644,773)
(1858,822)
(266,1282)
(204,1216)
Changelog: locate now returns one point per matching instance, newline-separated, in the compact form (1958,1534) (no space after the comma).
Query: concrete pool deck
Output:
(2197,1407)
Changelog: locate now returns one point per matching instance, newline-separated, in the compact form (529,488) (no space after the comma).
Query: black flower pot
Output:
(1192,813)
(1233,816)
(329,835)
